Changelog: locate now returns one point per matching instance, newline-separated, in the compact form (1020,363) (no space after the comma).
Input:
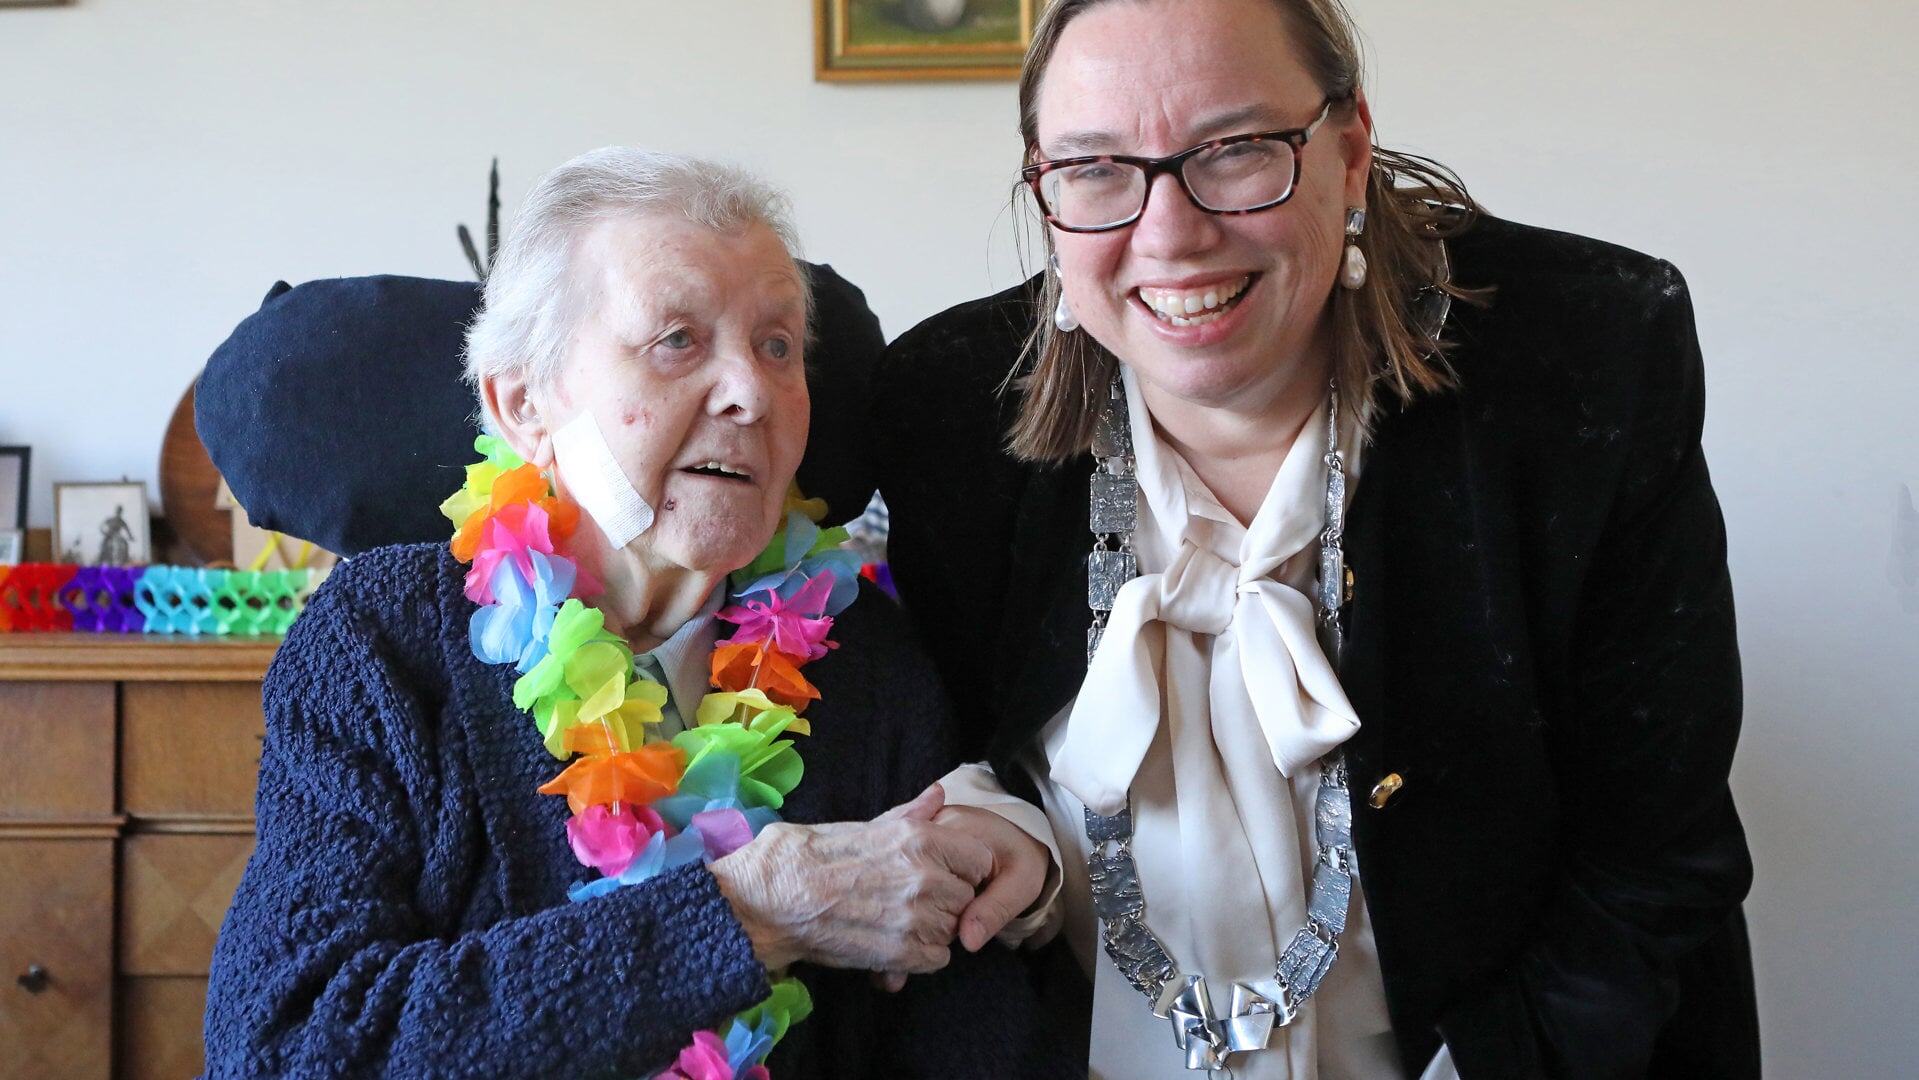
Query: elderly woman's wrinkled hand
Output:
(884,895)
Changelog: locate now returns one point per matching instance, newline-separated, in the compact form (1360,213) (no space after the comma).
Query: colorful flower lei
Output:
(642,804)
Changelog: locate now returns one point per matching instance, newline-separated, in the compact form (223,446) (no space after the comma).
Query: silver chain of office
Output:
(1256,1009)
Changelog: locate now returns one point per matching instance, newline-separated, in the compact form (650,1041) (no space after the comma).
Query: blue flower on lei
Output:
(660,855)
(806,554)
(514,629)
(746,1045)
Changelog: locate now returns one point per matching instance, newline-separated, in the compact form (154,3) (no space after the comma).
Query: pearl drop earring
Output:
(1063,317)
(1352,271)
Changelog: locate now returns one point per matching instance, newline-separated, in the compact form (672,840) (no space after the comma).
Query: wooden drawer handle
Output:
(34,979)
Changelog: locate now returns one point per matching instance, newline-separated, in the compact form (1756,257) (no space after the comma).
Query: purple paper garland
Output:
(100,598)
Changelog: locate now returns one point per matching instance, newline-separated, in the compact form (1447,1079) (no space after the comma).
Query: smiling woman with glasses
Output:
(1344,601)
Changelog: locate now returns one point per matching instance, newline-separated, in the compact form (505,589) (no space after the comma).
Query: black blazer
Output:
(1540,644)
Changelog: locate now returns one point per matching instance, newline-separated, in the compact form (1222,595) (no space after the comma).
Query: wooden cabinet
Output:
(127,769)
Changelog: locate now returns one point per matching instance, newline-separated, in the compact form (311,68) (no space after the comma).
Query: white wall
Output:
(162,162)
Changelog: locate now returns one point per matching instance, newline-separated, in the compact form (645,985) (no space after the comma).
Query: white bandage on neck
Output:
(594,479)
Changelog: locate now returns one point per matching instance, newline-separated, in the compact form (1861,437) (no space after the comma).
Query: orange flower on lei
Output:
(523,484)
(750,665)
(635,778)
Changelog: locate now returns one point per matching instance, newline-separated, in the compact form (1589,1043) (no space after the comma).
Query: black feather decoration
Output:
(482,269)
(472,256)
(493,214)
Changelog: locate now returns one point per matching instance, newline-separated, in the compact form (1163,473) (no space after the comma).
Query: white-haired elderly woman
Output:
(504,828)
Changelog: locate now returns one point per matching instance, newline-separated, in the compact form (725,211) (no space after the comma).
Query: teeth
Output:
(717,466)
(1190,308)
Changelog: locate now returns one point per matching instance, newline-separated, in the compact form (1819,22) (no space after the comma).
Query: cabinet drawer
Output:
(159,1033)
(56,751)
(56,904)
(189,750)
(174,890)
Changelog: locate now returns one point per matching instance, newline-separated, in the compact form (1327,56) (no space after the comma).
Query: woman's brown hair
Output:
(1378,338)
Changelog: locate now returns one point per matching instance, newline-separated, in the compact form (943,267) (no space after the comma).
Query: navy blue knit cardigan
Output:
(405,911)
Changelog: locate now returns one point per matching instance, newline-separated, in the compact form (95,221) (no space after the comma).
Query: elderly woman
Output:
(435,893)
(1403,743)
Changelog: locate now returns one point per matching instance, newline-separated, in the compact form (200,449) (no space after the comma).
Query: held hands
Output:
(1020,865)
(887,895)
(884,895)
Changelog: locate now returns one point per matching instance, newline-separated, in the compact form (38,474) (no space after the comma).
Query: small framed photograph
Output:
(13,546)
(13,486)
(101,524)
(921,39)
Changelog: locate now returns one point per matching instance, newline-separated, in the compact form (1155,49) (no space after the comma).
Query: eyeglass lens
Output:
(1237,176)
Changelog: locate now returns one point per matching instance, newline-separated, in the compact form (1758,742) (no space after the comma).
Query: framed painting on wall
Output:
(101,524)
(921,39)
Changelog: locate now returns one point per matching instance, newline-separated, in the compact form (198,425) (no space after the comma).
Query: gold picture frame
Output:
(922,40)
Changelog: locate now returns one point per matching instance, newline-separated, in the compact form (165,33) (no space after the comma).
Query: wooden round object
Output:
(189,485)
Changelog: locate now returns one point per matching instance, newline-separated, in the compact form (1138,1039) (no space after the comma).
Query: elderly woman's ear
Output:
(515,412)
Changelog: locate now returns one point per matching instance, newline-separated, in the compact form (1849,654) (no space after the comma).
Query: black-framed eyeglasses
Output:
(1239,174)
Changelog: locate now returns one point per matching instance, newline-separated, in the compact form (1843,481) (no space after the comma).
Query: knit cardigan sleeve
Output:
(350,949)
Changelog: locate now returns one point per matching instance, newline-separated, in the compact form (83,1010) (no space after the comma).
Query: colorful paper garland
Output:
(189,600)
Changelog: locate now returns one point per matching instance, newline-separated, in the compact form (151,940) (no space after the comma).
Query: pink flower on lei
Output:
(795,625)
(706,1060)
(609,839)
(514,532)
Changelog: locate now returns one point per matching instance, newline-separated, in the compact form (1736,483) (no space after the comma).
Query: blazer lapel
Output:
(1042,644)
(1362,656)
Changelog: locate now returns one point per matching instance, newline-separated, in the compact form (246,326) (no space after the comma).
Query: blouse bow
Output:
(1266,625)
